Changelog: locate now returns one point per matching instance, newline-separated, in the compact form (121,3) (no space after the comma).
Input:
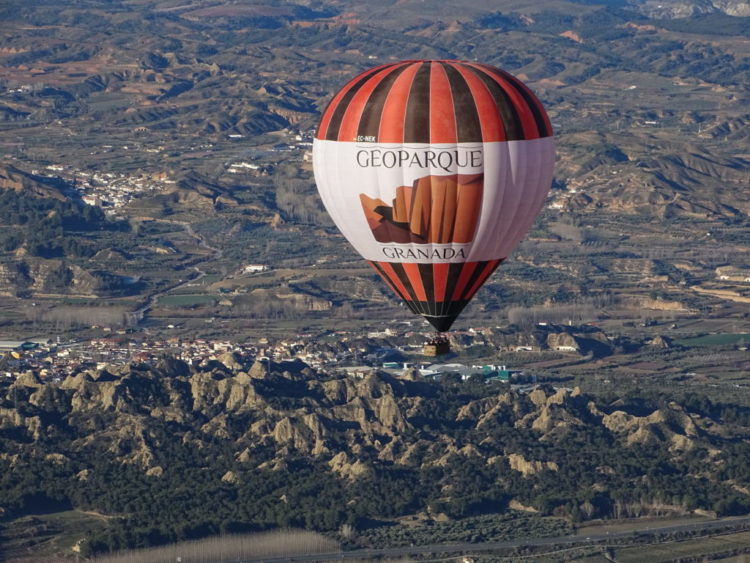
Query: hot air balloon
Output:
(434,170)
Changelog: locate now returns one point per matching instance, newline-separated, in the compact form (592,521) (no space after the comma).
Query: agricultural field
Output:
(713,548)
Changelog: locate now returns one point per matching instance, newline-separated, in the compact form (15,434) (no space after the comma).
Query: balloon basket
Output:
(439,345)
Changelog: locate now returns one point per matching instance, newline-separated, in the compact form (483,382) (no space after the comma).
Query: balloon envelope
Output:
(434,171)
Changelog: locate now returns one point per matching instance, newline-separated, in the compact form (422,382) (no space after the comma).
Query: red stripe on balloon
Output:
(325,120)
(350,123)
(440,277)
(525,114)
(394,110)
(489,267)
(463,279)
(389,274)
(412,272)
(489,118)
(442,110)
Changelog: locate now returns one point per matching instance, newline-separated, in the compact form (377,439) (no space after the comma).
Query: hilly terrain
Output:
(172,452)
(190,124)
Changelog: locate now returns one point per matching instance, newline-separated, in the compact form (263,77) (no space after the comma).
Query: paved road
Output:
(457,548)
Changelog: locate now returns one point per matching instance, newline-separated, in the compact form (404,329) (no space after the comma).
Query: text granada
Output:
(395,253)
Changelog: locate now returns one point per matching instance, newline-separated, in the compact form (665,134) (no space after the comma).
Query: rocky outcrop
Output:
(275,412)
(660,342)
(27,379)
(319,418)
(156,471)
(12,419)
(672,427)
(519,463)
(231,360)
(340,465)
(51,277)
(563,342)
(517,505)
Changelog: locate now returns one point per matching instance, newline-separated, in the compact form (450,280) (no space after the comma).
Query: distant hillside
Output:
(54,245)
(213,105)
(12,178)
(689,8)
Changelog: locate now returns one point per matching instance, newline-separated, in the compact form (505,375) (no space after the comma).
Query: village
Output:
(113,190)
(355,355)
(110,190)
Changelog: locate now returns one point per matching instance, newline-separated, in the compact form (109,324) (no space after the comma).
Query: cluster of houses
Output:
(55,360)
(391,349)
(437,371)
(108,189)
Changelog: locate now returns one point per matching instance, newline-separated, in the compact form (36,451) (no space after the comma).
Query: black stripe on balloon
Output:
(468,127)
(387,279)
(475,275)
(429,309)
(428,281)
(408,299)
(372,114)
(441,324)
(338,114)
(417,119)
(401,273)
(454,272)
(456,308)
(413,307)
(487,272)
(510,118)
(443,321)
(532,102)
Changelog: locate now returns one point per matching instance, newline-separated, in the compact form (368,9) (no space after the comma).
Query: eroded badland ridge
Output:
(239,436)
